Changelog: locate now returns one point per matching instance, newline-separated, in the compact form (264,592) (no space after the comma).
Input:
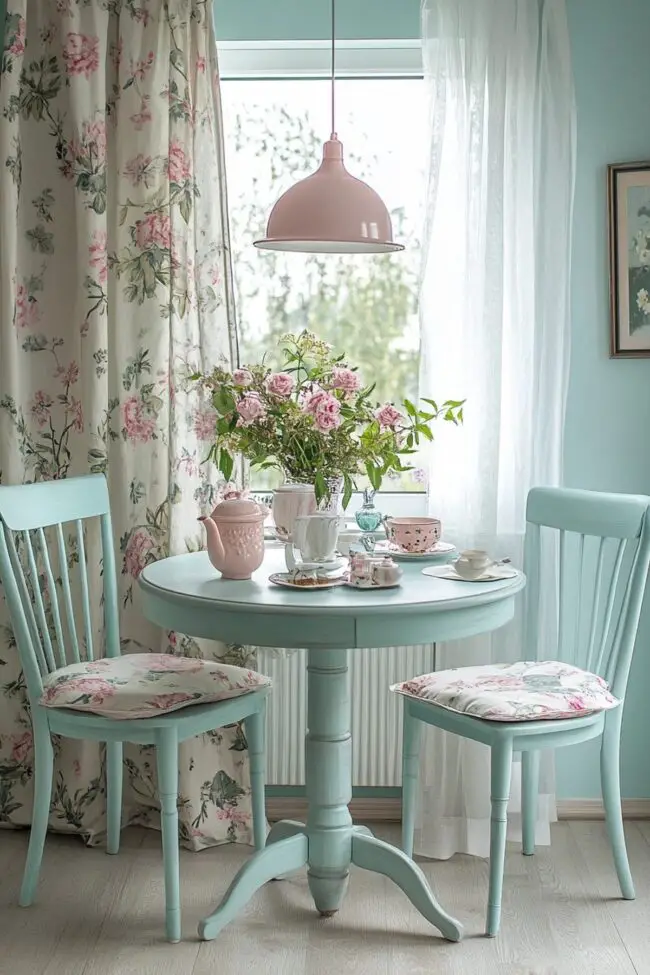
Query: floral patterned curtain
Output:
(115,284)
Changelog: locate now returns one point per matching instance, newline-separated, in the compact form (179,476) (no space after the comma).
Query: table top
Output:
(186,593)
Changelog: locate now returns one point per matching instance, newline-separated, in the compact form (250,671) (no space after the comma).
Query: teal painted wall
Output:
(238,20)
(607,445)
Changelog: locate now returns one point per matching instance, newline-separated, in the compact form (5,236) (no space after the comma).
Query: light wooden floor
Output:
(100,915)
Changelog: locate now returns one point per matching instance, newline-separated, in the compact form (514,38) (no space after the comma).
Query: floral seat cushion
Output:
(141,685)
(522,691)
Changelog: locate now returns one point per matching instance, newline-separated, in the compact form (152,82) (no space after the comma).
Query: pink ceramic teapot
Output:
(235,532)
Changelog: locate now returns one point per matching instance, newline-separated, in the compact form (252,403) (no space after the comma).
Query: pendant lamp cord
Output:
(333,136)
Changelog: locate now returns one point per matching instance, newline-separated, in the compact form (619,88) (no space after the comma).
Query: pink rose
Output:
(95,689)
(139,170)
(280,384)
(388,416)
(137,552)
(314,401)
(22,747)
(81,54)
(139,426)
(140,68)
(168,662)
(98,255)
(326,422)
(204,424)
(177,166)
(17,45)
(140,118)
(68,376)
(242,377)
(27,312)
(153,231)
(41,406)
(250,408)
(577,703)
(346,379)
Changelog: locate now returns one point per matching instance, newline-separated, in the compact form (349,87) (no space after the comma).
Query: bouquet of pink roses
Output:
(315,420)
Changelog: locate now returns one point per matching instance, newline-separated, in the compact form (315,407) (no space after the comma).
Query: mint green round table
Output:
(185,593)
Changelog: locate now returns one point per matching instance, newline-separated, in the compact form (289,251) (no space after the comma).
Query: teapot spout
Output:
(215,545)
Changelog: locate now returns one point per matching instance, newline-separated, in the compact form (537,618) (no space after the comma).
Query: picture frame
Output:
(628,193)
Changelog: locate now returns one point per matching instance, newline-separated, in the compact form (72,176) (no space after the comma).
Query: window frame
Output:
(310,59)
(268,60)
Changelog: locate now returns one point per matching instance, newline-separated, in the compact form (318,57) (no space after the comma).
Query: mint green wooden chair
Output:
(41,599)
(604,554)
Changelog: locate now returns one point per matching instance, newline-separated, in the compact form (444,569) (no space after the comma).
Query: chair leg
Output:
(529,791)
(114,779)
(501,765)
(610,777)
(167,764)
(412,740)
(255,733)
(43,773)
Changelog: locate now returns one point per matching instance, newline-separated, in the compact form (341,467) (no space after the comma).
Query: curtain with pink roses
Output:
(115,285)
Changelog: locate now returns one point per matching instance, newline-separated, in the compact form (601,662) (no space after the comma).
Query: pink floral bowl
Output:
(413,534)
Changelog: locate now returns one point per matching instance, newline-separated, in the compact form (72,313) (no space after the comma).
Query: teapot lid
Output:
(236,508)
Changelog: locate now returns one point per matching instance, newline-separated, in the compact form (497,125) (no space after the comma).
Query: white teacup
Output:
(315,538)
(473,563)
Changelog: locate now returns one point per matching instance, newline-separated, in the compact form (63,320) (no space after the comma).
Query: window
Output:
(275,127)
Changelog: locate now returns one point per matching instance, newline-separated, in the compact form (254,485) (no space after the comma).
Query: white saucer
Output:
(285,579)
(448,572)
(439,551)
(375,585)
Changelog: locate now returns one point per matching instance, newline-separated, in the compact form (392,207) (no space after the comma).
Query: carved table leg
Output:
(328,772)
(286,855)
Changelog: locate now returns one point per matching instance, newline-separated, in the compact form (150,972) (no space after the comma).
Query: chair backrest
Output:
(600,544)
(46,580)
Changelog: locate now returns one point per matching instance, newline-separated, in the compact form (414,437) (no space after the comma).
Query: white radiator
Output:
(376,713)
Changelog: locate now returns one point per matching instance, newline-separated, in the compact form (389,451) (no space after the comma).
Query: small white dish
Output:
(366,586)
(495,574)
(286,580)
(440,550)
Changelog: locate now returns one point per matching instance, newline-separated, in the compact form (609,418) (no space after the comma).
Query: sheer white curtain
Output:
(495,327)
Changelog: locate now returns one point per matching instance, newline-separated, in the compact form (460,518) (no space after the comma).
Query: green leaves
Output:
(226,464)
(320,487)
(374,475)
(223,400)
(348,488)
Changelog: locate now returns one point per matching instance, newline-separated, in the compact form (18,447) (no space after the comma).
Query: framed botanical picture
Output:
(629,258)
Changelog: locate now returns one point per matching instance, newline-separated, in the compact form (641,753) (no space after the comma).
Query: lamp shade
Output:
(330,212)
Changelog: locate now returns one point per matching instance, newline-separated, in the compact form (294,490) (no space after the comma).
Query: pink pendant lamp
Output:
(330,212)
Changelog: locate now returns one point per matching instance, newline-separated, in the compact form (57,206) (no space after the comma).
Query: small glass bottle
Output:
(368,518)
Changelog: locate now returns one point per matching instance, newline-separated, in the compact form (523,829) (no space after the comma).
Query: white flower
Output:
(643,301)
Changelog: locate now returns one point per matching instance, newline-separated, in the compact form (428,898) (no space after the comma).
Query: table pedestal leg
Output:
(328,776)
(328,843)
(282,857)
(380,857)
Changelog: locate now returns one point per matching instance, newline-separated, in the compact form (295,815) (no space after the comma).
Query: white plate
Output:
(439,550)
(284,579)
(375,585)
(448,572)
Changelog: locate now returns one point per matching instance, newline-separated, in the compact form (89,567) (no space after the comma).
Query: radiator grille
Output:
(376,713)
